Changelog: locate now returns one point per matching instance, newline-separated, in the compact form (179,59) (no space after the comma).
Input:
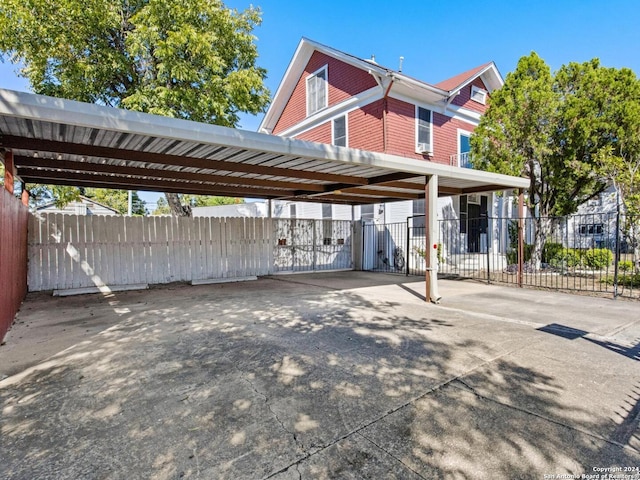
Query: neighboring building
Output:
(85,206)
(279,209)
(332,97)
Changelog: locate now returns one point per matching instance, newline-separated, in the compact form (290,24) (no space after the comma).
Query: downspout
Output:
(385,109)
(380,81)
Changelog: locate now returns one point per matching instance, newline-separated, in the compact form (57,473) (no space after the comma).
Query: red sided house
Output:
(332,97)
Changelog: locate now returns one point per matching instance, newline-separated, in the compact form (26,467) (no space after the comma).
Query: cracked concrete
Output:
(339,375)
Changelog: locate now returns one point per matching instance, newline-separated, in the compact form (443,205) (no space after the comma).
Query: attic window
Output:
(478,95)
(317,91)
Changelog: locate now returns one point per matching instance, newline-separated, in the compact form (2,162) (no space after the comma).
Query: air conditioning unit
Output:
(424,148)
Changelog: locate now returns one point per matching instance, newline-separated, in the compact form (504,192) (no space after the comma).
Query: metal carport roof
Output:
(64,142)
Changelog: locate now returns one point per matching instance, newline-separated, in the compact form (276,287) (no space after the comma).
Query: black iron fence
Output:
(596,252)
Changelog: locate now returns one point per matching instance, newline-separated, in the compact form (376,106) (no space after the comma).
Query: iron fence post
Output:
(488,250)
(407,256)
(616,257)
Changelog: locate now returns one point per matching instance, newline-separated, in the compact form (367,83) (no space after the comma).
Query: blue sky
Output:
(439,39)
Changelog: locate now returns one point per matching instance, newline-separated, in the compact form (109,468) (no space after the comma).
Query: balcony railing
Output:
(461,160)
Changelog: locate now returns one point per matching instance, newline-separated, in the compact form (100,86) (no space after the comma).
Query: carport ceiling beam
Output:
(129,183)
(52,164)
(50,146)
(379,180)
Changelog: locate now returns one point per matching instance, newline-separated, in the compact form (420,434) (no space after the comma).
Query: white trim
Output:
(346,129)
(451,111)
(430,149)
(481,91)
(464,114)
(318,118)
(462,132)
(325,84)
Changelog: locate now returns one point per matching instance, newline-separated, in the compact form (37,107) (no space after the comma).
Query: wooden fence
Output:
(13,257)
(69,251)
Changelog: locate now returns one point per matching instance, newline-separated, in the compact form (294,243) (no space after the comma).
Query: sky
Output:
(438,39)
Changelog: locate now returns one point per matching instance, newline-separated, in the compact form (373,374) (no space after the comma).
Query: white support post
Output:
(431,240)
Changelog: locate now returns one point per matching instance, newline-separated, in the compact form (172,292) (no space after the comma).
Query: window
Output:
(464,149)
(340,131)
(592,229)
(327,224)
(423,130)
(292,210)
(418,221)
(478,95)
(317,91)
(367,212)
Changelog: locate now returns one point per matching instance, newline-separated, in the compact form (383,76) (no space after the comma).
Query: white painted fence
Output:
(69,251)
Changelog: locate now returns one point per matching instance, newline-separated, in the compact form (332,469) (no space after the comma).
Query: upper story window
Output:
(478,95)
(340,131)
(424,142)
(317,95)
(464,149)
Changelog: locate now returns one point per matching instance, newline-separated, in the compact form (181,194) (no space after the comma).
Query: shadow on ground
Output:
(281,379)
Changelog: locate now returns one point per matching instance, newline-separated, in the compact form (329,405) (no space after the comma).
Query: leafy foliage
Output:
(193,59)
(118,200)
(562,132)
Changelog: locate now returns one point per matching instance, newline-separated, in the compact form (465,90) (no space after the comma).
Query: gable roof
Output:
(83,199)
(492,78)
(442,91)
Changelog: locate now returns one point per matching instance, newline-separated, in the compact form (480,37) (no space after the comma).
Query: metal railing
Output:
(462,160)
(596,253)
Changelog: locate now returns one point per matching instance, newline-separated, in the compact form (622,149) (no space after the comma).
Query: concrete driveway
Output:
(337,375)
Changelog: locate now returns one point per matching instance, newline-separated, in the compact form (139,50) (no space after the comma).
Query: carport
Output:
(62,142)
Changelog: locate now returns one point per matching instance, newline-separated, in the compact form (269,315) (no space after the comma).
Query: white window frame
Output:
(417,127)
(326,89)
(346,130)
(483,94)
(465,133)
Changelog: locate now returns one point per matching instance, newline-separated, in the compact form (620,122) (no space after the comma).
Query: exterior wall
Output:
(401,137)
(320,134)
(344,81)
(365,127)
(252,209)
(464,99)
(445,137)
(13,258)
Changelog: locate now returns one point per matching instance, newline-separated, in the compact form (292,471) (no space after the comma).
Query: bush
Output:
(625,265)
(572,257)
(512,255)
(598,258)
(629,280)
(552,253)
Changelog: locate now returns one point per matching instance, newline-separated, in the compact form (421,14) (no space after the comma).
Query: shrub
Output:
(627,280)
(512,255)
(598,258)
(625,265)
(572,257)
(552,253)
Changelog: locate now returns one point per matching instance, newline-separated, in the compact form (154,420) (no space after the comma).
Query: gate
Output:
(312,245)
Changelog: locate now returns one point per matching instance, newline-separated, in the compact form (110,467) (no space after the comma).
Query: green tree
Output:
(118,200)
(193,59)
(546,128)
(619,161)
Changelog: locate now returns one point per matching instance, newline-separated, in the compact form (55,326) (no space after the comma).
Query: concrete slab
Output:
(338,375)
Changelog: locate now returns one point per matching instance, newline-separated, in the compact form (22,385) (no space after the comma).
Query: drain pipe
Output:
(385,109)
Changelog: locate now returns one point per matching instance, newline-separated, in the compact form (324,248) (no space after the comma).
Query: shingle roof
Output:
(451,83)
